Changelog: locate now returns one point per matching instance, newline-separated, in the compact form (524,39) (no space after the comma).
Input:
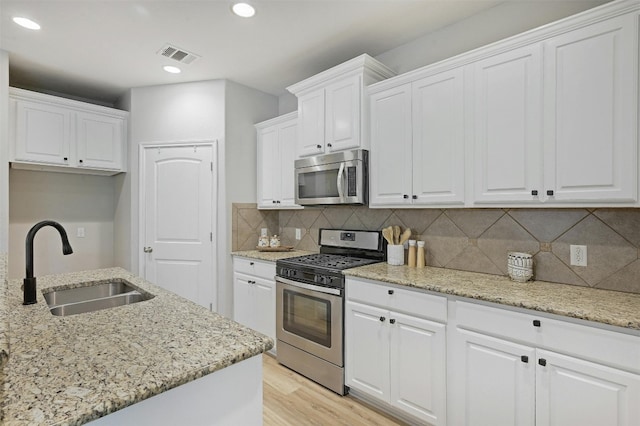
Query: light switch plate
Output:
(298,234)
(80,233)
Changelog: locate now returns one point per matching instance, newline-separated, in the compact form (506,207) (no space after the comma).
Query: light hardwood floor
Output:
(292,399)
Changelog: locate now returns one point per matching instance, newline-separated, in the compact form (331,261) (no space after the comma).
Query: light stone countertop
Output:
(271,256)
(603,306)
(4,314)
(70,370)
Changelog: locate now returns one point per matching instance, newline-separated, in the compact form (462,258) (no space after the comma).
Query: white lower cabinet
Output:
(254,295)
(393,353)
(505,368)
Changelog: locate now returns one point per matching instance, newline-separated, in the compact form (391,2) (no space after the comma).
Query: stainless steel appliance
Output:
(310,303)
(339,178)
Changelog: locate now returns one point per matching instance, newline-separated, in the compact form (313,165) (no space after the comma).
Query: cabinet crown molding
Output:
(277,120)
(363,64)
(535,35)
(22,94)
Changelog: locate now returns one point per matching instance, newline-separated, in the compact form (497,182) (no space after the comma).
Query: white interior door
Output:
(177,191)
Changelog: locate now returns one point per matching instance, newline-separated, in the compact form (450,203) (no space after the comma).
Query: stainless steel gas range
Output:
(310,303)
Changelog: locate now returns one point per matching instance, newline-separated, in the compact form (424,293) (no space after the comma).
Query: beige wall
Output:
(478,240)
(73,201)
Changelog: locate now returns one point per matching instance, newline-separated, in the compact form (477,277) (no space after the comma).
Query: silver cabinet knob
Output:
(147,249)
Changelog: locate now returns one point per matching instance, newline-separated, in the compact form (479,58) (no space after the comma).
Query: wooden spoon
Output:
(396,234)
(405,236)
(387,233)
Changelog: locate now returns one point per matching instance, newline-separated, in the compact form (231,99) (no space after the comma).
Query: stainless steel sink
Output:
(93,297)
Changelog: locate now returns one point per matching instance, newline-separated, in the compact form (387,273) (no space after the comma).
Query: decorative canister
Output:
(263,241)
(275,241)
(519,266)
(395,254)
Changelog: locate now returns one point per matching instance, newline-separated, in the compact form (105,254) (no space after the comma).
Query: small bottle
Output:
(421,262)
(411,261)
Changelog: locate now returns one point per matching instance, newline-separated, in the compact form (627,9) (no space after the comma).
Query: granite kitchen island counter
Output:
(71,370)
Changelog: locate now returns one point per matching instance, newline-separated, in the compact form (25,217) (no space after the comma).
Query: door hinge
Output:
(212,166)
(211,236)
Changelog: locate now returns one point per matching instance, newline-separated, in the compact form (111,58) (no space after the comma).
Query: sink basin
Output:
(93,297)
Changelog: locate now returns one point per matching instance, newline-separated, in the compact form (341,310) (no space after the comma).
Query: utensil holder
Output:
(395,254)
(519,266)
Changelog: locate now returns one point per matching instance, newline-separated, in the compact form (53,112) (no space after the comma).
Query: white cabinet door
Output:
(42,133)
(342,114)
(268,167)
(242,304)
(438,139)
(495,384)
(418,367)
(391,147)
(263,297)
(254,303)
(367,349)
(288,140)
(591,115)
(570,391)
(311,121)
(276,147)
(507,126)
(99,140)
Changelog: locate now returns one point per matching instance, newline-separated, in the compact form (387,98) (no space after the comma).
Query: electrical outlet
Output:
(80,233)
(578,255)
(263,232)
(298,234)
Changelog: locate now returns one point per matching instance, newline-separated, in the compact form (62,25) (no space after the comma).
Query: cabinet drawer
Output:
(387,296)
(596,344)
(259,268)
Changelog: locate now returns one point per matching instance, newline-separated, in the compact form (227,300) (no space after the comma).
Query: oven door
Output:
(309,318)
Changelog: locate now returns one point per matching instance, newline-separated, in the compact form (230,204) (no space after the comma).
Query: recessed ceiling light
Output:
(244,10)
(171,69)
(26,23)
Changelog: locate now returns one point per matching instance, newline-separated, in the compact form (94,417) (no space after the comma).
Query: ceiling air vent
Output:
(178,54)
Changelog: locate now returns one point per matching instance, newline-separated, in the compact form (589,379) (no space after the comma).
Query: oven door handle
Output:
(340,179)
(326,290)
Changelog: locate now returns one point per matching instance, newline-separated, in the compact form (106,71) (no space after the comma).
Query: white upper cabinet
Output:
(311,112)
(507,126)
(548,117)
(343,102)
(99,141)
(417,142)
(56,134)
(331,106)
(438,139)
(42,133)
(591,112)
(390,159)
(277,140)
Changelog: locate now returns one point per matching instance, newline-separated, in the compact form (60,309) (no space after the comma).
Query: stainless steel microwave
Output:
(338,178)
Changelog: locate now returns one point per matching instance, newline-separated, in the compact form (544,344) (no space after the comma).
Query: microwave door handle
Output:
(339,182)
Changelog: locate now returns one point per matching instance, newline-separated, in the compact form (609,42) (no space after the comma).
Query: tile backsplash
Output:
(478,240)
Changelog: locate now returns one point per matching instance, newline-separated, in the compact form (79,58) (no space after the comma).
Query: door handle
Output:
(340,178)
(147,249)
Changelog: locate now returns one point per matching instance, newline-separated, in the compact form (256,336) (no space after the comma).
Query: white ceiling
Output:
(99,49)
